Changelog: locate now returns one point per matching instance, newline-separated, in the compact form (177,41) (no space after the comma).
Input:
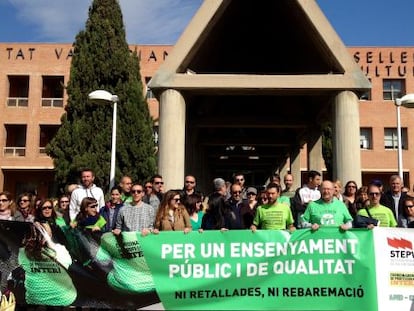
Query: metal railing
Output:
(14,151)
(17,102)
(52,102)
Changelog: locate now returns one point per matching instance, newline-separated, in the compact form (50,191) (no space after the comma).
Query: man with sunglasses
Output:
(236,208)
(155,197)
(189,187)
(137,215)
(240,180)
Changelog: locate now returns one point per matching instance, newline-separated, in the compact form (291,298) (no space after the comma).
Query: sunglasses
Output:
(23,200)
(93,205)
(4,200)
(374,193)
(46,207)
(136,191)
(251,193)
(64,201)
(159,183)
(176,200)
(409,206)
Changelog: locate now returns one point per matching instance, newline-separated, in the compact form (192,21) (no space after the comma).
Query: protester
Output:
(137,215)
(26,206)
(273,215)
(171,214)
(86,189)
(111,209)
(193,204)
(383,214)
(8,208)
(327,211)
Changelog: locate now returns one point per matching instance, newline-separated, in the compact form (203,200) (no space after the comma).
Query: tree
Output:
(102,60)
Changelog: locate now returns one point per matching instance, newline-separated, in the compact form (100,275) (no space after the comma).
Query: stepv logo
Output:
(401,248)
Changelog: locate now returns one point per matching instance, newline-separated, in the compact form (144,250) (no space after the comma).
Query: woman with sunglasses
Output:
(171,214)
(46,215)
(62,210)
(88,217)
(25,205)
(8,209)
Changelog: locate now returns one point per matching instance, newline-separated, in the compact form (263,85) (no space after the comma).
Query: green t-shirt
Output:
(273,217)
(130,270)
(381,213)
(334,213)
(46,281)
(284,199)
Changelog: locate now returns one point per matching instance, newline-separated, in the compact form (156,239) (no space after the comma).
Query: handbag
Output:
(363,221)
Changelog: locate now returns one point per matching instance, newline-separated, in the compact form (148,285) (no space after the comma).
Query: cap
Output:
(219,183)
(251,190)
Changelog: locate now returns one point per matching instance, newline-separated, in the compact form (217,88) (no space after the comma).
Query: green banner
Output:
(269,269)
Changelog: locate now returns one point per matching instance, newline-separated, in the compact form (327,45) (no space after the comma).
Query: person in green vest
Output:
(47,281)
(327,211)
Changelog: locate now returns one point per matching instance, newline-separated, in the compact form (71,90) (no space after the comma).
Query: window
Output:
(365,138)
(393,88)
(47,132)
(15,140)
(18,91)
(391,138)
(149,93)
(52,91)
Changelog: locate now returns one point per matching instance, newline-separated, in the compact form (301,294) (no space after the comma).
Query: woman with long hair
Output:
(193,204)
(171,214)
(62,210)
(53,286)
(215,217)
(350,197)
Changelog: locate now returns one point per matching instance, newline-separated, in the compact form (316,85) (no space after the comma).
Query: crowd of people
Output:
(148,208)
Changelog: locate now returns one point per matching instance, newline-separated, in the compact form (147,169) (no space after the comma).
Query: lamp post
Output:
(105,96)
(408,102)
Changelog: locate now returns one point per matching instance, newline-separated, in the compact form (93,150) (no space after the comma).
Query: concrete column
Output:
(295,168)
(346,135)
(171,161)
(315,157)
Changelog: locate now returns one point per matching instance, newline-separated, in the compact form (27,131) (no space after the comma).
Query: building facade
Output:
(32,96)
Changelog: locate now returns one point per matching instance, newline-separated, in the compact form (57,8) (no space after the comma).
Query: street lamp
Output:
(408,102)
(105,96)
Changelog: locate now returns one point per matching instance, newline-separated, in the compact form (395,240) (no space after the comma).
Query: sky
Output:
(357,22)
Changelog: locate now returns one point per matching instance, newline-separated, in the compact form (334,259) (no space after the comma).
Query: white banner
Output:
(394,260)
